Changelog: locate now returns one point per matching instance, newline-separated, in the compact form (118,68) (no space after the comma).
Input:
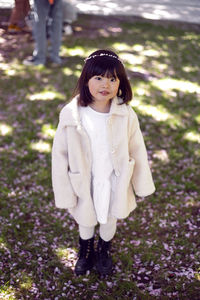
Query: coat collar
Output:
(70,113)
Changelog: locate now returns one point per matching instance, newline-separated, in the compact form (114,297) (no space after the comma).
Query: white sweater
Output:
(95,124)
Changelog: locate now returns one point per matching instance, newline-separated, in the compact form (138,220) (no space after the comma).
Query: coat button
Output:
(117,173)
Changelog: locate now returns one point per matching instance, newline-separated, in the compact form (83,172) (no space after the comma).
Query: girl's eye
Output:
(113,79)
(98,78)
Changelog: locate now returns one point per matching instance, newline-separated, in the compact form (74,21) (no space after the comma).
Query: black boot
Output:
(104,261)
(86,256)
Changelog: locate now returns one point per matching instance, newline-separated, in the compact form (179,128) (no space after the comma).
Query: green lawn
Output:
(156,250)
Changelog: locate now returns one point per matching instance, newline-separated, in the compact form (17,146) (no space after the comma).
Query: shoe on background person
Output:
(12,28)
(67,29)
(56,62)
(32,61)
(17,21)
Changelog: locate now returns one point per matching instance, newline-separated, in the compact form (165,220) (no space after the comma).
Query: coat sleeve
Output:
(142,178)
(63,192)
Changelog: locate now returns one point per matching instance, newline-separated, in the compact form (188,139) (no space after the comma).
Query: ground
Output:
(156,249)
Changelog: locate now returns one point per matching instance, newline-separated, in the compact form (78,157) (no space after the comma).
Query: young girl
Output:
(99,158)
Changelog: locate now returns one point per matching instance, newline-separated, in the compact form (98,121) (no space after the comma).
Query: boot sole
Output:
(104,272)
(82,272)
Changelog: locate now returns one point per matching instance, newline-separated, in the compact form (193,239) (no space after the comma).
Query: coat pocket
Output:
(131,165)
(75,179)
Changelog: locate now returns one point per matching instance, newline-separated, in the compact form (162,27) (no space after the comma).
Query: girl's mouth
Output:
(104,93)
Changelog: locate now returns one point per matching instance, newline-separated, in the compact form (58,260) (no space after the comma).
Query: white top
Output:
(95,125)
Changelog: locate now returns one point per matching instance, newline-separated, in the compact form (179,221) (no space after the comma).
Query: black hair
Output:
(104,63)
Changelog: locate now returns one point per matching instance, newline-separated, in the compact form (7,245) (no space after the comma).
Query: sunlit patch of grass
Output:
(16,68)
(76,51)
(132,58)
(5,67)
(5,129)
(121,46)
(48,130)
(197,274)
(77,73)
(41,146)
(73,51)
(45,96)
(141,51)
(67,71)
(67,256)
(161,155)
(159,112)
(176,84)
(192,136)
(191,36)
(190,69)
(7,292)
(3,245)
(151,52)
(197,118)
(25,282)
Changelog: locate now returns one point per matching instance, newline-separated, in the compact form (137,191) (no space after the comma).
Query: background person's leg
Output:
(41,11)
(56,31)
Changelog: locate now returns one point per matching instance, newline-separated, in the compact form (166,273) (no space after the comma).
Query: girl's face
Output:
(103,88)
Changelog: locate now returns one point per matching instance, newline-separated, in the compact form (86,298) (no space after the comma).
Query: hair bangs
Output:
(104,67)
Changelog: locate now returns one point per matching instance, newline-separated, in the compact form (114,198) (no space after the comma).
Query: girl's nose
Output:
(105,82)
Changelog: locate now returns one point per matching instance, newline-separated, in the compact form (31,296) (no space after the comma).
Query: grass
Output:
(156,249)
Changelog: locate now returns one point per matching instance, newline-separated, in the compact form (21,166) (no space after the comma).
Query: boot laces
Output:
(85,249)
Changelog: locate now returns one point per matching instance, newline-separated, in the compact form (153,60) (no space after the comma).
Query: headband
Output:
(100,55)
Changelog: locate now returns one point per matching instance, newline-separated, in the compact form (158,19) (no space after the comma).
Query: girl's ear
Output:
(119,93)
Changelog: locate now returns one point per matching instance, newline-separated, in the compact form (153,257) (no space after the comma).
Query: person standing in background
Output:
(17,19)
(42,9)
